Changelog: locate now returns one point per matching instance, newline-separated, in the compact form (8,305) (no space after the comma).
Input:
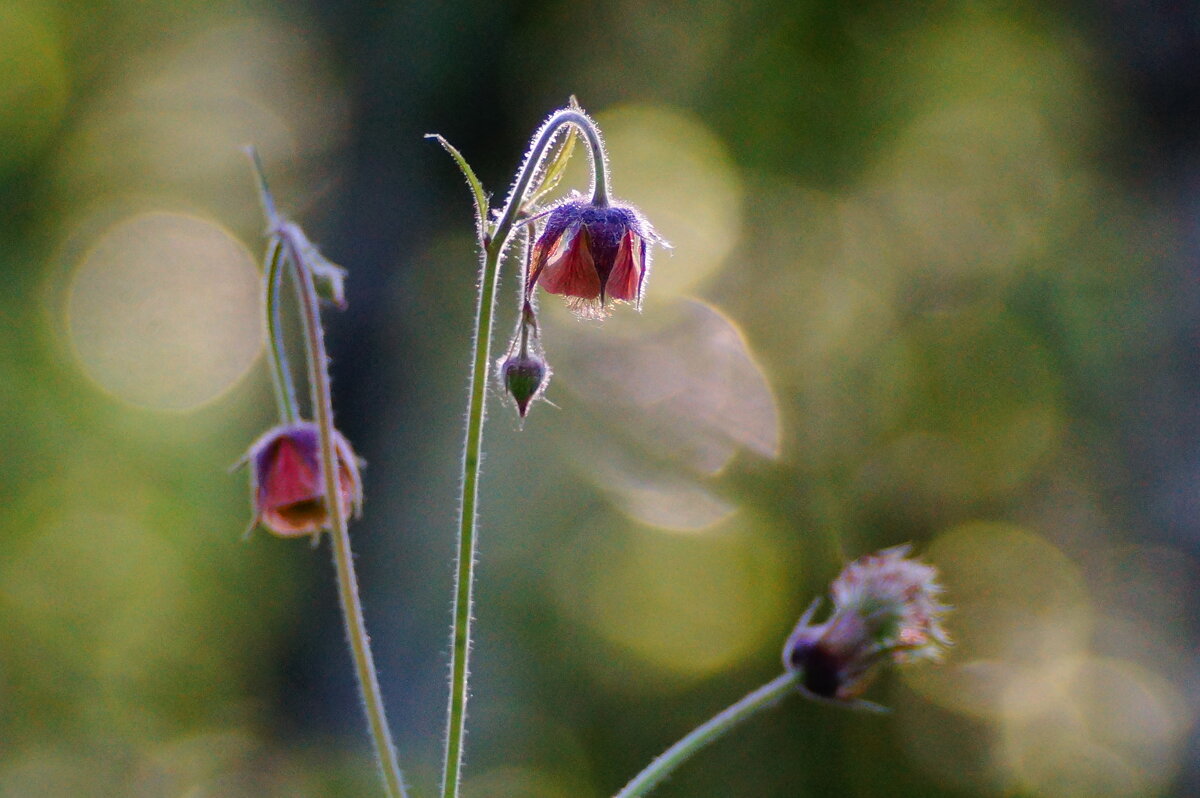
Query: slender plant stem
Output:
(525,317)
(273,268)
(284,248)
(281,372)
(533,160)
(465,571)
(494,244)
(764,697)
(601,188)
(356,631)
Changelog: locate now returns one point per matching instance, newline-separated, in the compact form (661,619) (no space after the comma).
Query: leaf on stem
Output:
(481,203)
(328,278)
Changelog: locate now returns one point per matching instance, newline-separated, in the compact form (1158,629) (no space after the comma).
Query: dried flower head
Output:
(592,253)
(287,487)
(885,609)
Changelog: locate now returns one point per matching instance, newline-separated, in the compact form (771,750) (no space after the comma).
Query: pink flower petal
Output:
(572,273)
(290,476)
(625,280)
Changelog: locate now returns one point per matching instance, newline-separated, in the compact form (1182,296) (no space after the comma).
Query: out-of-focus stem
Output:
(764,697)
(281,372)
(283,249)
(343,558)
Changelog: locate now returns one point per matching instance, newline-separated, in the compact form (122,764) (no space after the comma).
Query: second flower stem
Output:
(356,630)
(764,697)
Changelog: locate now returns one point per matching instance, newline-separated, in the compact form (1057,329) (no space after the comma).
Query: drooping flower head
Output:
(288,490)
(592,253)
(885,609)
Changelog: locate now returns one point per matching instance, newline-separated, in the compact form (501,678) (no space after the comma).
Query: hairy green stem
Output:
(494,244)
(284,248)
(533,160)
(465,570)
(281,372)
(356,630)
(274,266)
(764,697)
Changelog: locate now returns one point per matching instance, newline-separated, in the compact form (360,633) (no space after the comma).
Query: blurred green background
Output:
(934,279)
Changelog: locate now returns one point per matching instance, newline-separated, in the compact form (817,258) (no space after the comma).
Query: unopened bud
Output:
(524,378)
(287,488)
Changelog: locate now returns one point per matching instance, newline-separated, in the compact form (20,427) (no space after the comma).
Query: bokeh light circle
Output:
(1092,727)
(1019,602)
(683,606)
(163,311)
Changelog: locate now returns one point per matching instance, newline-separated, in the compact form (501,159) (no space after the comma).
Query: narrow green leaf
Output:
(481,203)
(264,191)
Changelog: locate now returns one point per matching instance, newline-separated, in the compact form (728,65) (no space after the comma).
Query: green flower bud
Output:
(525,376)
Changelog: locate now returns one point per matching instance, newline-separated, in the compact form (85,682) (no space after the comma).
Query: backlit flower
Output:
(885,609)
(288,490)
(593,253)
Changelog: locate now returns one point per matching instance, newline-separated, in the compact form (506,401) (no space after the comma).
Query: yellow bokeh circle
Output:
(163,311)
(686,606)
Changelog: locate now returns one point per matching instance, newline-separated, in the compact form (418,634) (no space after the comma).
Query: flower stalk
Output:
(886,611)
(289,246)
(494,241)
(343,557)
(764,697)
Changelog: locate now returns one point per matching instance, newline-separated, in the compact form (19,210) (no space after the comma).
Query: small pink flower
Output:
(591,254)
(287,485)
(885,609)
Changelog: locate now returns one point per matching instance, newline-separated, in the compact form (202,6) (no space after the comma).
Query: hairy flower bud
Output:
(524,378)
(885,609)
(593,253)
(288,490)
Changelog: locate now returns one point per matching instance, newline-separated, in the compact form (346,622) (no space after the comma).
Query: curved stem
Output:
(533,160)
(273,268)
(356,631)
(281,372)
(764,697)
(599,163)
(495,244)
(525,317)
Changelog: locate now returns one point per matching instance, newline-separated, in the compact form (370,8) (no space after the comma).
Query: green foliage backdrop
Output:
(933,280)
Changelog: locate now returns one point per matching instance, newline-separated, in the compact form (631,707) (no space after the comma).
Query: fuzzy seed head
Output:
(885,609)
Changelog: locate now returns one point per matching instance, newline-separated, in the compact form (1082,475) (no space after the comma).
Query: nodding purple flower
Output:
(287,485)
(885,609)
(591,254)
